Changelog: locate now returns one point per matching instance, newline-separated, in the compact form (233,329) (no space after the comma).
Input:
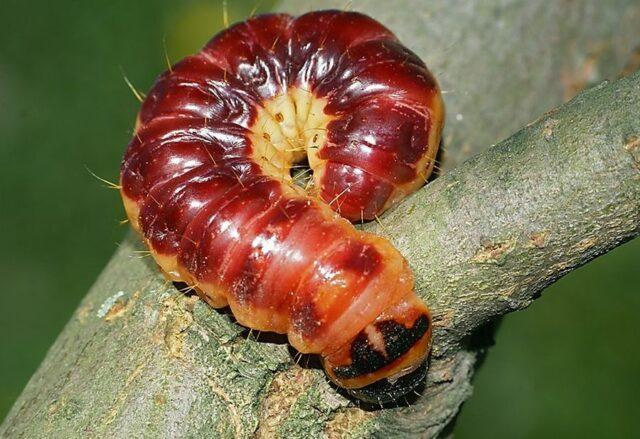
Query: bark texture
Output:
(139,359)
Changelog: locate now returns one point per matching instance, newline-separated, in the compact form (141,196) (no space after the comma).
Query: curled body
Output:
(209,181)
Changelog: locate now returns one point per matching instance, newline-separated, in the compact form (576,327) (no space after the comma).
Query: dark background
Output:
(568,366)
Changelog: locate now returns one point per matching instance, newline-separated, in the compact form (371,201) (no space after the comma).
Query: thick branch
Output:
(138,359)
(498,229)
(491,235)
(486,238)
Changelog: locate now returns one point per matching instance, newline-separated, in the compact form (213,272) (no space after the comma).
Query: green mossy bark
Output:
(140,360)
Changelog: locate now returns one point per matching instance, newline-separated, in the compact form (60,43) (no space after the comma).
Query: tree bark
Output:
(139,359)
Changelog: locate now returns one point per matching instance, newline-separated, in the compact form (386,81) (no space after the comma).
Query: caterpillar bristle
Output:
(166,54)
(137,93)
(255,9)
(108,184)
(225,13)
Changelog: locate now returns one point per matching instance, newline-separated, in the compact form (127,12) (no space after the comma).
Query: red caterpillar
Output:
(207,180)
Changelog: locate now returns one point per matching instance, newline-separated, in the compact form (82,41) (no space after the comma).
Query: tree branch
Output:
(139,359)
(497,230)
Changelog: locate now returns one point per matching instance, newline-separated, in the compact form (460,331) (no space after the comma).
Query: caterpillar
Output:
(211,180)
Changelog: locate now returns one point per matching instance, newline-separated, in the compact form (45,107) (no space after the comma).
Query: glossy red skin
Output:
(204,200)
(374,86)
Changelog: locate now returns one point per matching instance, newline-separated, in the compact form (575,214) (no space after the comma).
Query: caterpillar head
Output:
(387,359)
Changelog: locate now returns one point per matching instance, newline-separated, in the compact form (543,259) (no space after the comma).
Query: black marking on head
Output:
(384,391)
(364,359)
(397,340)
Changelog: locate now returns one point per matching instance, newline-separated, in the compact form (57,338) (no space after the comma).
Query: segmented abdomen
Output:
(207,179)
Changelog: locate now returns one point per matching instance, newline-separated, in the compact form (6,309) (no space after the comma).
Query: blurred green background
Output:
(568,366)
